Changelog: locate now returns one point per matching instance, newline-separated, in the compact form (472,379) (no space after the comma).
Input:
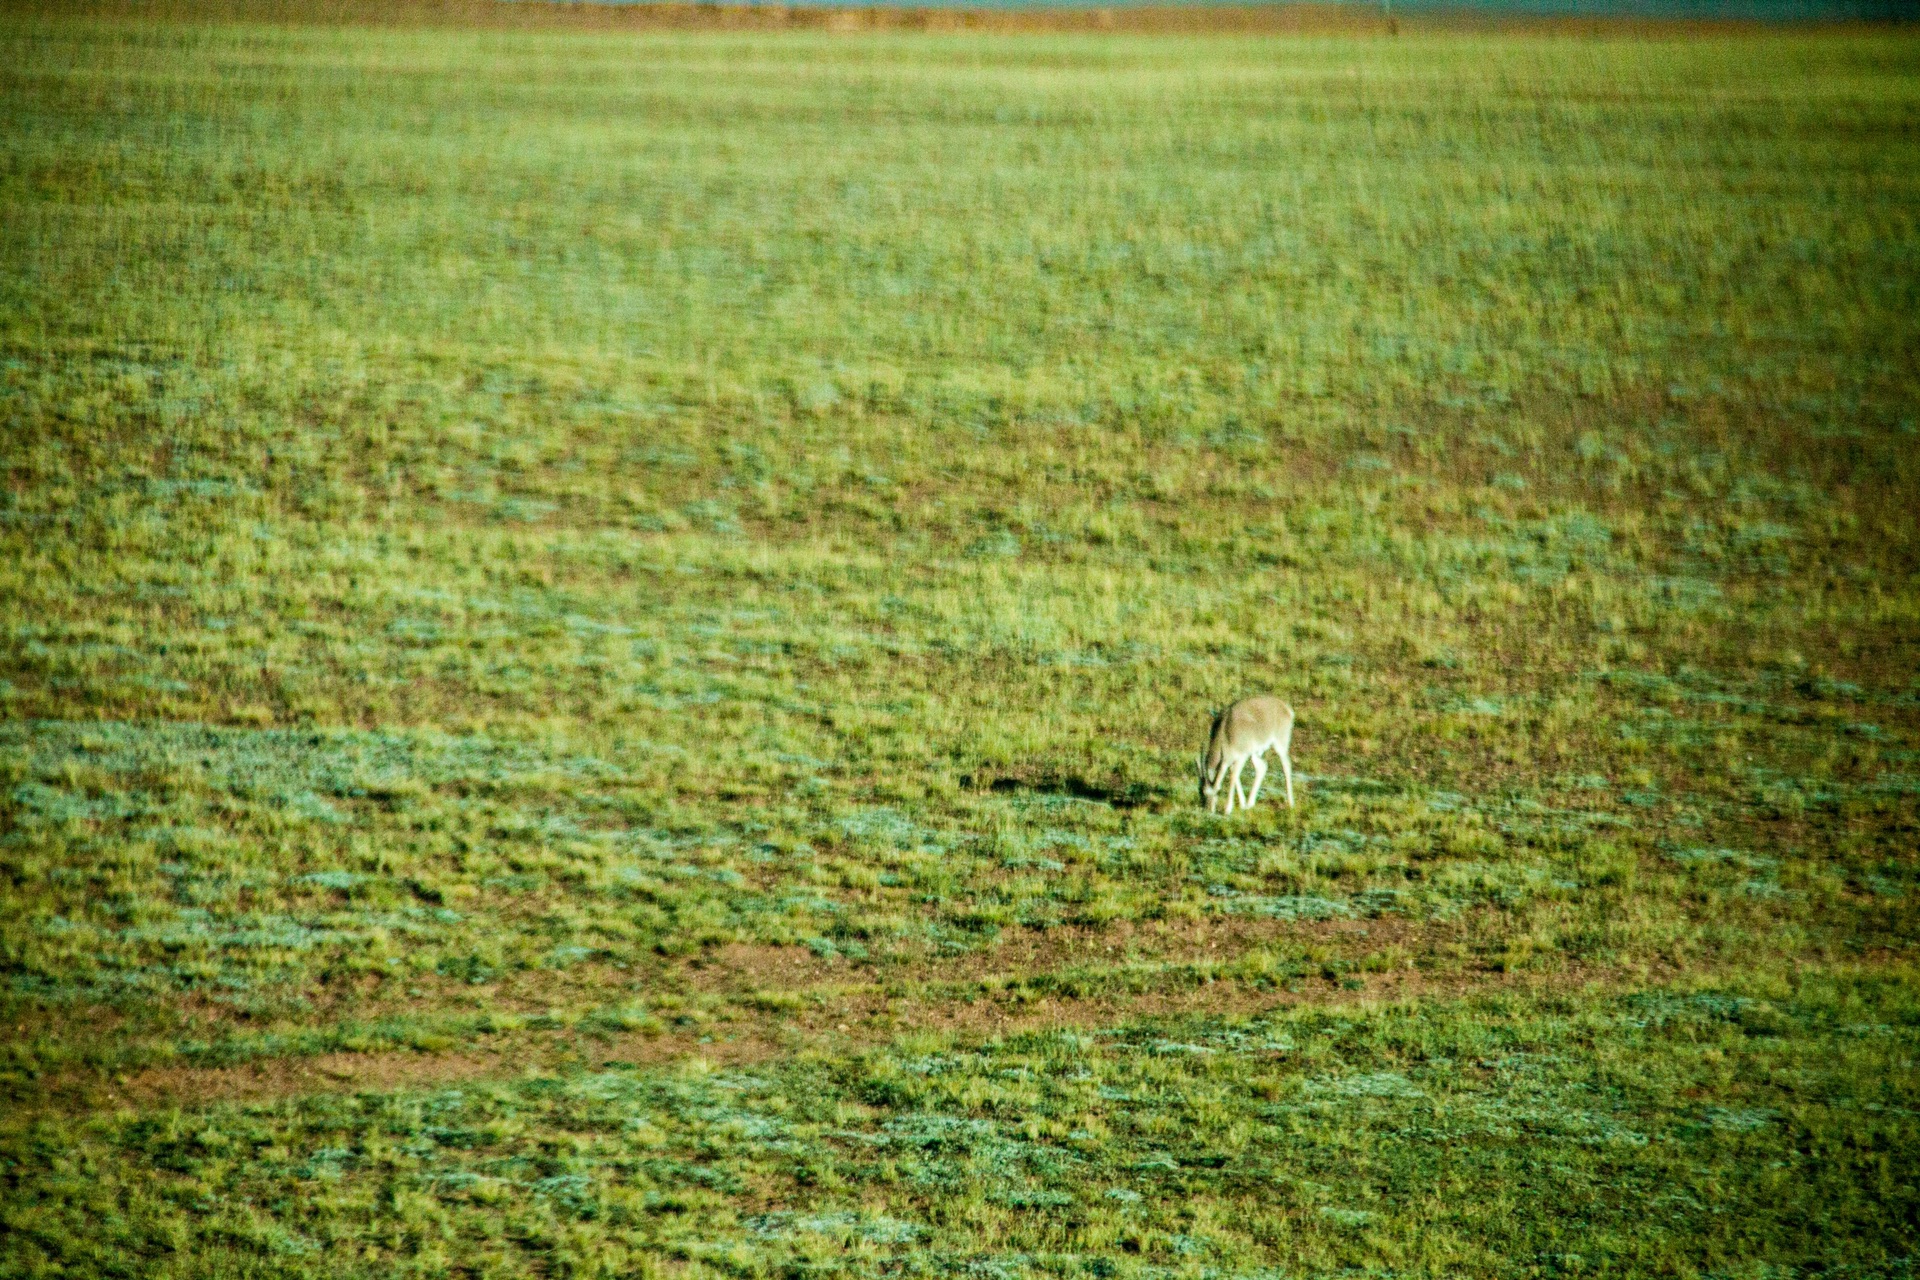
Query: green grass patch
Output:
(1666,1131)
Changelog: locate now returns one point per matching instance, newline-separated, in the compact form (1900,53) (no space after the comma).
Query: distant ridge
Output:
(1597,17)
(1629,10)
(1684,10)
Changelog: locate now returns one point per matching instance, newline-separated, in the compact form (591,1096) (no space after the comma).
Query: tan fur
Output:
(1243,732)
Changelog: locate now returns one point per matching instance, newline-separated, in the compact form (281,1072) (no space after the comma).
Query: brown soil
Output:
(743,969)
(848,1023)
(747,968)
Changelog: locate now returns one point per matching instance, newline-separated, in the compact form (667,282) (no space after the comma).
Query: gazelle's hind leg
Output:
(1259,776)
(1286,766)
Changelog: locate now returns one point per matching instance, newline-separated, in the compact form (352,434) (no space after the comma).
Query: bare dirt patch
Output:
(743,968)
(845,1023)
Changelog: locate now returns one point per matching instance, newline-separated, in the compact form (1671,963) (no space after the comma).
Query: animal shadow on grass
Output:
(1119,794)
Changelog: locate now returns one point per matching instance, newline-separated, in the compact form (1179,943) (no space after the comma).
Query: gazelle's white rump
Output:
(1245,731)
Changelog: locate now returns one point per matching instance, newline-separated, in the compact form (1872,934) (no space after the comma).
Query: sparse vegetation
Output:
(606,635)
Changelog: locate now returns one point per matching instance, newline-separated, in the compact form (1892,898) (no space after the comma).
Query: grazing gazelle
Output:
(1241,733)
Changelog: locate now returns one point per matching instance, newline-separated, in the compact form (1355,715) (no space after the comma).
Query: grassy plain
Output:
(606,633)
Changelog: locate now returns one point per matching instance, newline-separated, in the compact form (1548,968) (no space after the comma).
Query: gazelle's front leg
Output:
(1286,765)
(1259,776)
(1217,780)
(1239,791)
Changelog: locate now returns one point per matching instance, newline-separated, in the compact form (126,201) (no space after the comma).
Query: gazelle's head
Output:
(1209,781)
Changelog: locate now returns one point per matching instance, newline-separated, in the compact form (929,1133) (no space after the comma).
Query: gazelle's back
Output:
(1252,721)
